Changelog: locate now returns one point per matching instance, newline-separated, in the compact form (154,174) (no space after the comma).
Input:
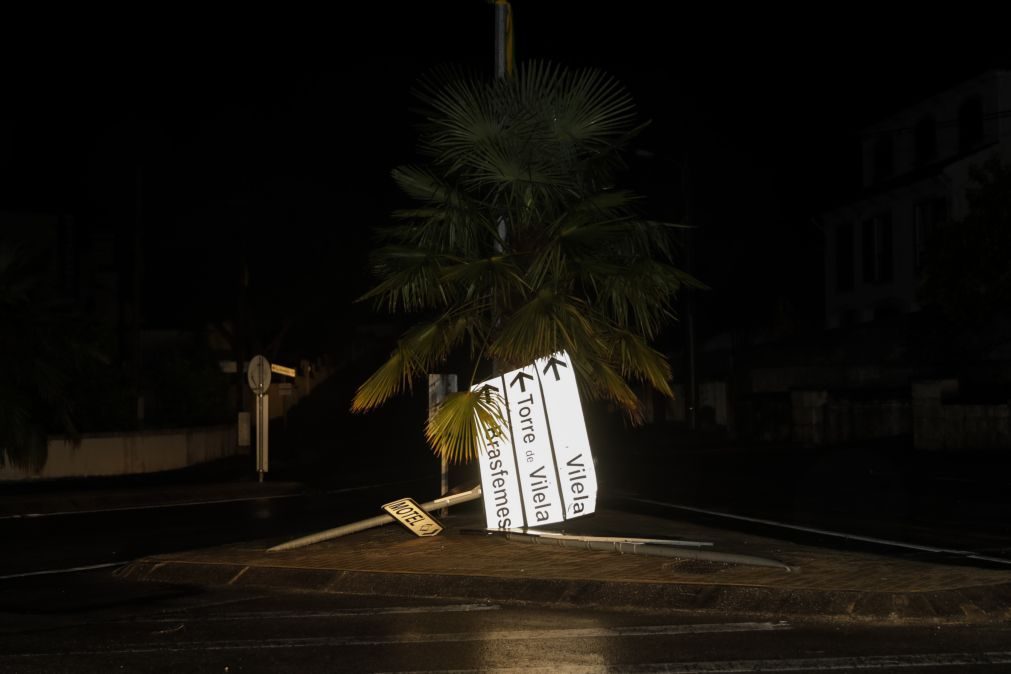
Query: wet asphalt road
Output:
(94,622)
(91,621)
(924,499)
(72,540)
(53,543)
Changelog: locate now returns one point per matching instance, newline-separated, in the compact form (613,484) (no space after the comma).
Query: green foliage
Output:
(520,245)
(104,397)
(969,261)
(186,387)
(39,351)
(57,380)
(183,387)
(452,430)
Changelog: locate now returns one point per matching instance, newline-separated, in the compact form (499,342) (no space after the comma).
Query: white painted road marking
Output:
(845,664)
(337,613)
(825,532)
(421,638)
(182,504)
(73,569)
(154,506)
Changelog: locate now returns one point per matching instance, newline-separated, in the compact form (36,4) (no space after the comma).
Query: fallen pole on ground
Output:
(377,521)
(615,539)
(624,547)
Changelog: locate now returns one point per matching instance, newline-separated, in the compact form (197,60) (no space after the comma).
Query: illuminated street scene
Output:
(506,336)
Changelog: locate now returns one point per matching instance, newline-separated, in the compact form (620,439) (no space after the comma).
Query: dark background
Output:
(269,135)
(257,143)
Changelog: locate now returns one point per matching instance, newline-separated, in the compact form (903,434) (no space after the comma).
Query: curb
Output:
(47,504)
(972,605)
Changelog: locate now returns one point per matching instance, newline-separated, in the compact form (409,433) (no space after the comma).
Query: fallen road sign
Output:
(536,465)
(413,516)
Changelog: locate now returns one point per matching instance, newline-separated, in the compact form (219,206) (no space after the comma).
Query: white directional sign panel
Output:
(537,469)
(576,477)
(500,486)
(532,443)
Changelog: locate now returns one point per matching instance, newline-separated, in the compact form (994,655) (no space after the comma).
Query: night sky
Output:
(275,134)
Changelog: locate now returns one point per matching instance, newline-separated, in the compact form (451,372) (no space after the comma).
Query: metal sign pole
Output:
(263,432)
(258,376)
(440,386)
(259,437)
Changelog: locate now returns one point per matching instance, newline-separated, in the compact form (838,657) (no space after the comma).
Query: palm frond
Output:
(423,185)
(428,344)
(454,431)
(395,375)
(594,110)
(640,295)
(410,279)
(461,116)
(601,381)
(638,359)
(421,349)
(493,277)
(548,322)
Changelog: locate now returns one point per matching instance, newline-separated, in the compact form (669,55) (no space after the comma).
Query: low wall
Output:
(942,424)
(131,453)
(933,418)
(821,417)
(849,421)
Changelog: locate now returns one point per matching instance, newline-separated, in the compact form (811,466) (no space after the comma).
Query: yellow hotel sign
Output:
(281,369)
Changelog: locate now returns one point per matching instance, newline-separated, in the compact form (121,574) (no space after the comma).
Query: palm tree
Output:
(521,246)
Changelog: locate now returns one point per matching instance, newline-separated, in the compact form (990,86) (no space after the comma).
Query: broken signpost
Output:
(413,516)
(536,466)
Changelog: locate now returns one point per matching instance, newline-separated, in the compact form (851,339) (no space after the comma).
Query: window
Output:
(925,140)
(970,122)
(877,249)
(883,157)
(844,257)
(928,216)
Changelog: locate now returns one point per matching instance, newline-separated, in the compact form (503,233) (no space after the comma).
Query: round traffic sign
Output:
(258,375)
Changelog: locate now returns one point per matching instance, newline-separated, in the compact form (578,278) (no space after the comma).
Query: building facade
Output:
(916,168)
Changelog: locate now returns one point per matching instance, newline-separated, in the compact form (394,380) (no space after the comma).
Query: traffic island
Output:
(821,583)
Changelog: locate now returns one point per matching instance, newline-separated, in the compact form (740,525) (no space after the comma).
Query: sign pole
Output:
(262,434)
(259,438)
(439,386)
(258,376)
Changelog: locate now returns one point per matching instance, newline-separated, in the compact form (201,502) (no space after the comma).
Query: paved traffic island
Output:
(463,563)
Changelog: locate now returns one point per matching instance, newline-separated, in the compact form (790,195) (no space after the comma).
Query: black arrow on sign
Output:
(553,366)
(520,377)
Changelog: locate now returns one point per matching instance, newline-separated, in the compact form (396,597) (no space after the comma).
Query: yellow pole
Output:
(504,57)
